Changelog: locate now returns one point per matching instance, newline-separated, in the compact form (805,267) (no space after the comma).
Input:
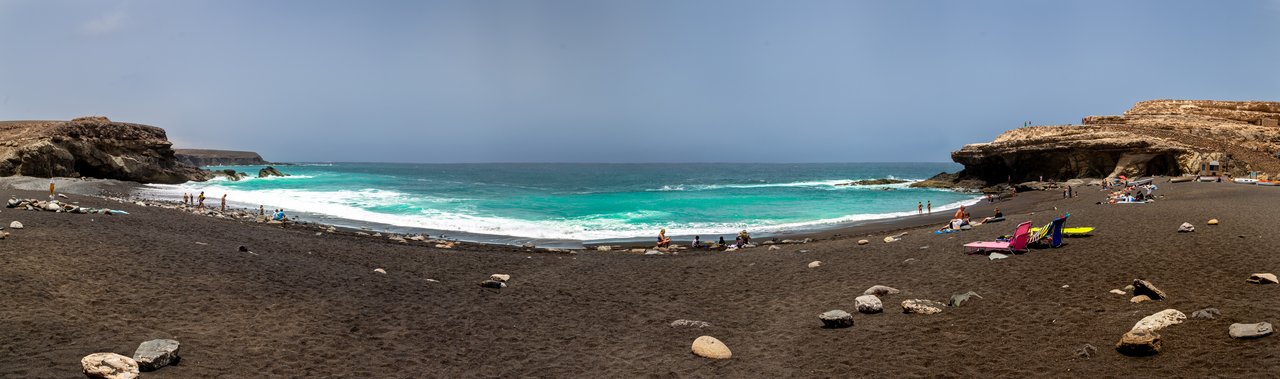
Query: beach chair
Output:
(1053,232)
(1019,242)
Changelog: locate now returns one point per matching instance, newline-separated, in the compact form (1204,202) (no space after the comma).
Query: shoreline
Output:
(135,192)
(309,304)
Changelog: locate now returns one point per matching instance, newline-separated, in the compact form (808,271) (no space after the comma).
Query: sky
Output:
(621,80)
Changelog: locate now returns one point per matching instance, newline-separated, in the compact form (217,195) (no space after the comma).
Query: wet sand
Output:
(306,305)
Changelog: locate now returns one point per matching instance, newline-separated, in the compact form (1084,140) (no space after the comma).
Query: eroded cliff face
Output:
(92,147)
(209,157)
(1157,137)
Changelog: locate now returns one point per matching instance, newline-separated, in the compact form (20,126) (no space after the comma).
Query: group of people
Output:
(961,220)
(921,207)
(1132,194)
(198,201)
(743,239)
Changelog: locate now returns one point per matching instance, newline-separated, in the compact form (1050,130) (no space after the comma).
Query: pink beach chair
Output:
(1021,237)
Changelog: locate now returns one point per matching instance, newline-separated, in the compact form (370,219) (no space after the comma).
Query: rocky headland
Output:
(209,157)
(93,147)
(1156,137)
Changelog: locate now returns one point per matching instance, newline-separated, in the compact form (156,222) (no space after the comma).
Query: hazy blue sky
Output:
(621,81)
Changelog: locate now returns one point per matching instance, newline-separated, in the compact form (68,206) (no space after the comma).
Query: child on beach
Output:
(224,203)
(920,208)
(697,242)
(200,204)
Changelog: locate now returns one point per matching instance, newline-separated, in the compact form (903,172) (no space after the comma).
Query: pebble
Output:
(1262,279)
(1139,299)
(1186,227)
(815,264)
(1206,314)
(1160,320)
(380,271)
(493,284)
(880,290)
(109,366)
(1139,343)
(1117,292)
(500,277)
(1143,287)
(1086,351)
(154,354)
(863,242)
(836,319)
(774,247)
(1213,221)
(1259,330)
(15,225)
(919,306)
(693,323)
(869,304)
(710,347)
(961,298)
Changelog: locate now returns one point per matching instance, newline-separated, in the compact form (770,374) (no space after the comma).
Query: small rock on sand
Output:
(995,256)
(774,247)
(380,271)
(1160,320)
(836,319)
(815,264)
(15,225)
(1186,227)
(1139,299)
(1117,292)
(493,284)
(1143,287)
(869,304)
(1206,314)
(863,242)
(1086,351)
(956,300)
(154,354)
(889,239)
(919,306)
(1213,221)
(692,323)
(710,347)
(1139,343)
(1262,279)
(880,290)
(603,248)
(109,366)
(500,277)
(1259,330)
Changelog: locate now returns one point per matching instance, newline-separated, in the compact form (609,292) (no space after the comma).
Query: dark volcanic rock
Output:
(92,147)
(270,171)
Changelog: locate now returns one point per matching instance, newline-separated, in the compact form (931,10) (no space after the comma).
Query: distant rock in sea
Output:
(93,147)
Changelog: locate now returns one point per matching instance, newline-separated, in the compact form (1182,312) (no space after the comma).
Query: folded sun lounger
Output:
(1019,242)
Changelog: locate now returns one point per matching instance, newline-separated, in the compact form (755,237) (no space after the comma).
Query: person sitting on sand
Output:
(997,217)
(721,243)
(697,242)
(959,213)
(663,241)
(746,238)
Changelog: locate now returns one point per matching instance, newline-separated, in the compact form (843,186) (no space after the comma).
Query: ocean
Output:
(511,202)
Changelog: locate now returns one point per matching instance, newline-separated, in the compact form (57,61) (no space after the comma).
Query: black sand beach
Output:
(303,305)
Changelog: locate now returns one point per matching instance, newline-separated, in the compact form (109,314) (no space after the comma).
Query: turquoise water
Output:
(589,201)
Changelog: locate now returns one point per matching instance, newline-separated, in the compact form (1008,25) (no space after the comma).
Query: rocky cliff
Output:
(207,157)
(92,147)
(1157,137)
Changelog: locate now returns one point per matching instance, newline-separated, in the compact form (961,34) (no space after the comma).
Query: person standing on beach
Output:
(224,203)
(929,205)
(200,200)
(51,196)
(1070,192)
(261,211)
(919,208)
(184,199)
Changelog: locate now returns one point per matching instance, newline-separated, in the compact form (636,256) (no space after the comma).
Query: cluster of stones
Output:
(52,206)
(150,356)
